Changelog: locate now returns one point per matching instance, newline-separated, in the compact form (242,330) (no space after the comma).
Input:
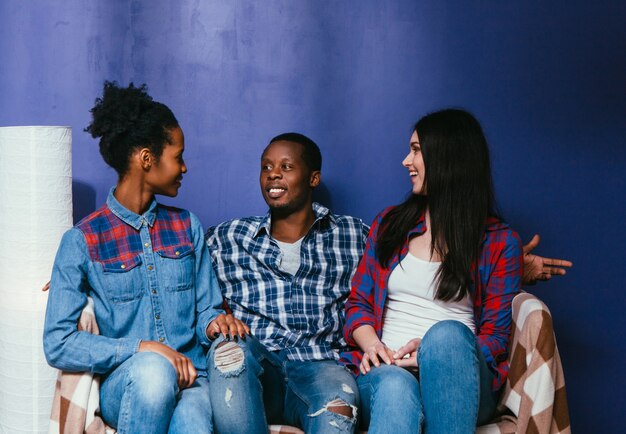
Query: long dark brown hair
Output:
(459,199)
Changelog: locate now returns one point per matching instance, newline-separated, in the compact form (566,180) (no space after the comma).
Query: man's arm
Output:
(540,268)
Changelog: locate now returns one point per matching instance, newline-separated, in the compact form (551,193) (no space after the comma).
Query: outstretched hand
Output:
(540,268)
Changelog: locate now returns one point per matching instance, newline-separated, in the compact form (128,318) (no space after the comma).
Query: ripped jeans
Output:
(251,387)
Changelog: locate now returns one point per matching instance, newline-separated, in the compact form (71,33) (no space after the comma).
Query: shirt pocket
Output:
(123,280)
(176,267)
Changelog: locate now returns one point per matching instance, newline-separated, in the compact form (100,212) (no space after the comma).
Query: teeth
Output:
(276,190)
(413,173)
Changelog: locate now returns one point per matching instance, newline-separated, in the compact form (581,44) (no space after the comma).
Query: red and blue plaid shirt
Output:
(494,284)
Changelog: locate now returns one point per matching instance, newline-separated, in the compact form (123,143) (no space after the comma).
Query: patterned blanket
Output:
(76,403)
(533,401)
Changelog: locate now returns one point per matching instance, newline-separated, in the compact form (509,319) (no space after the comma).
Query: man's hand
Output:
(184,367)
(540,268)
(409,348)
(372,355)
(227,325)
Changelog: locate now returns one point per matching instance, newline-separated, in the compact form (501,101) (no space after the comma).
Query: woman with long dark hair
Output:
(430,307)
(148,270)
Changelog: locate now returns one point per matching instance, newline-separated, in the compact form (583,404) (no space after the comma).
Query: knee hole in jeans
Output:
(228,358)
(339,407)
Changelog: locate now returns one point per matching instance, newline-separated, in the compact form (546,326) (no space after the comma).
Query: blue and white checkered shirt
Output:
(301,314)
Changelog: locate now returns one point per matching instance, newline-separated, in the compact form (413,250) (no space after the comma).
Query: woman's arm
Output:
(502,254)
(372,347)
(361,302)
(211,318)
(65,347)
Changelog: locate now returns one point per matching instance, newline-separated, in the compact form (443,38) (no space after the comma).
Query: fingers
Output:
(235,327)
(534,242)
(409,362)
(557,263)
(365,364)
(185,371)
(375,354)
(402,351)
(212,330)
(382,352)
(229,326)
(182,372)
(192,373)
(553,271)
(46,287)
(224,325)
(242,329)
(408,348)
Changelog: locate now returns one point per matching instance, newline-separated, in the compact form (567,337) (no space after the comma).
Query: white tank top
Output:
(411,308)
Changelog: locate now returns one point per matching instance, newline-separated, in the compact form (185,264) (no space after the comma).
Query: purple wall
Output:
(547,82)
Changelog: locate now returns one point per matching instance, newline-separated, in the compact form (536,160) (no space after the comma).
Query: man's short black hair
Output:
(311,152)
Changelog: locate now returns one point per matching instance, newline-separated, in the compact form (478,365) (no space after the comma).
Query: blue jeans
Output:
(251,386)
(451,394)
(142,396)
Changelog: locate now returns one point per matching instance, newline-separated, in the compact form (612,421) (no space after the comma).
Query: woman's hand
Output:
(184,367)
(409,348)
(373,354)
(227,325)
(540,268)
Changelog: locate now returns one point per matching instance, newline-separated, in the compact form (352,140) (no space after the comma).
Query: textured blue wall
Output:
(547,82)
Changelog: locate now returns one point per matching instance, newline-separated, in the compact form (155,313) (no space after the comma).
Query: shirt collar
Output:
(322,214)
(419,228)
(129,217)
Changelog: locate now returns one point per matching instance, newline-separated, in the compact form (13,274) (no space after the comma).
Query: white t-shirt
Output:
(411,308)
(290,262)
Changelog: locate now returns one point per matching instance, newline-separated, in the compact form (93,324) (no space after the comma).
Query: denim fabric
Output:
(150,277)
(451,394)
(252,386)
(142,396)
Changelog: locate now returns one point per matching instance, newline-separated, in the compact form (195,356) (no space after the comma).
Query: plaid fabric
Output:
(117,244)
(496,280)
(301,314)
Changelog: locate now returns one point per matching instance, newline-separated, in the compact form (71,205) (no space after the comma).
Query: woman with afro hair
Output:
(148,271)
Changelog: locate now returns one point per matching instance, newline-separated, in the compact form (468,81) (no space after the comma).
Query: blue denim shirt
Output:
(150,277)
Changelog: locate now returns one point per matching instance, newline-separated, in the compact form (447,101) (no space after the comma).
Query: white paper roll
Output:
(35,211)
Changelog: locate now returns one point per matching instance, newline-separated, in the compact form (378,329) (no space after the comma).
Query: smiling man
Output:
(287,275)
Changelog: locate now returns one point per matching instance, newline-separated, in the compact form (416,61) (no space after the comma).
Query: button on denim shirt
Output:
(150,277)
